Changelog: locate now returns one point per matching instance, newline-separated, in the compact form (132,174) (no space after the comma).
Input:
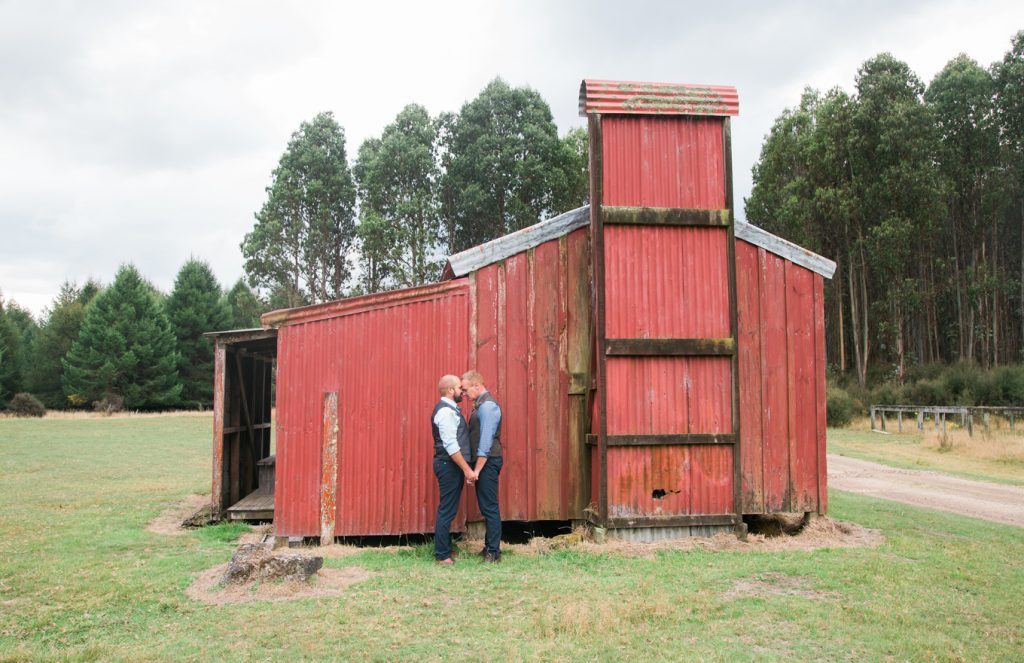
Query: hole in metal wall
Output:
(660,493)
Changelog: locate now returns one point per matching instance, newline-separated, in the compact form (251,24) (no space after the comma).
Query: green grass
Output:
(81,579)
(996,458)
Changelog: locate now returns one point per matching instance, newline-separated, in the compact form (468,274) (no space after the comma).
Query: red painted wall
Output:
(782,383)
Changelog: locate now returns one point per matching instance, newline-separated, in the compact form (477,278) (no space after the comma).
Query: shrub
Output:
(109,404)
(840,407)
(26,405)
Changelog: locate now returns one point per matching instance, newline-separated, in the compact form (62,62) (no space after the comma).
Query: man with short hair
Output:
(485,446)
(452,453)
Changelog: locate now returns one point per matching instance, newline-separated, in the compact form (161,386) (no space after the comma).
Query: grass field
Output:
(996,455)
(81,579)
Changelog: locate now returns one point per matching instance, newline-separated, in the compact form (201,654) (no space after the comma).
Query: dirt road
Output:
(977,499)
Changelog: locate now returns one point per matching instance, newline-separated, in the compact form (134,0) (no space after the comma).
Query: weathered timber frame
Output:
(737,470)
(664,216)
(669,347)
(600,365)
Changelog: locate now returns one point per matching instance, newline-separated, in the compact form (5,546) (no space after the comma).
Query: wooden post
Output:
(883,420)
(984,417)
(970,423)
(936,421)
(899,421)
(943,423)
(872,417)
(920,420)
(329,468)
(1011,422)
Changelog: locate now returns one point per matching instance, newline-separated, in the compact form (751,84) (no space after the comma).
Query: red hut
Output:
(661,369)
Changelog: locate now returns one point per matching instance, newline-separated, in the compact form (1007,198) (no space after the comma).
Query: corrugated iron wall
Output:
(664,226)
(383,359)
(781,315)
(531,341)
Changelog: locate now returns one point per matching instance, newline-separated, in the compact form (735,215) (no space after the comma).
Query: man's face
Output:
(457,393)
(471,389)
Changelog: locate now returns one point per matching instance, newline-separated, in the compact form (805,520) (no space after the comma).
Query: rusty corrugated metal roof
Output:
(640,98)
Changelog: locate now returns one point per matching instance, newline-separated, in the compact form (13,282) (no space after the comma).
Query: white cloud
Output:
(147,133)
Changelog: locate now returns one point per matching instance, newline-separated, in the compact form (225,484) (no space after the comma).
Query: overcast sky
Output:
(147,132)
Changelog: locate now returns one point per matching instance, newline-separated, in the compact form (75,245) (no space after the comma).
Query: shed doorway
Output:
(243,406)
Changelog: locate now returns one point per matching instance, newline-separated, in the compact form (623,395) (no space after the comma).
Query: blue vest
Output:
(462,434)
(474,428)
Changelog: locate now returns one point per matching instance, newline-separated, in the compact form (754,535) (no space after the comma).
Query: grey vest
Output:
(462,435)
(474,429)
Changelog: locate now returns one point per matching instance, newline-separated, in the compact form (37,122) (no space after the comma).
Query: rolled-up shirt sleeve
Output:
(448,425)
(490,416)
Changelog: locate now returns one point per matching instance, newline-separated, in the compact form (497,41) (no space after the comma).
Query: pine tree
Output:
(193,308)
(9,353)
(59,329)
(244,306)
(125,348)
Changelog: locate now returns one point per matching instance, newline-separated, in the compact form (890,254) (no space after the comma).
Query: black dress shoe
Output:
(491,558)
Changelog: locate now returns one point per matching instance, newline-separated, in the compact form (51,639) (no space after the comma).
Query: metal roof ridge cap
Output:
(499,248)
(785,248)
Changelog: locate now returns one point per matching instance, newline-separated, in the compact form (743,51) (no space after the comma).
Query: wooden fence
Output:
(939,413)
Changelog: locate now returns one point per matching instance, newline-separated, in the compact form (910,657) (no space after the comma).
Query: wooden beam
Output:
(663,216)
(329,468)
(665,440)
(677,347)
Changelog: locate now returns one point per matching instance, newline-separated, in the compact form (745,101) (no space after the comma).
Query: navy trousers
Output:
(449,480)
(487,500)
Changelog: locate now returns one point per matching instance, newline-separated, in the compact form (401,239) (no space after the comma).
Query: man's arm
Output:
(448,425)
(489,415)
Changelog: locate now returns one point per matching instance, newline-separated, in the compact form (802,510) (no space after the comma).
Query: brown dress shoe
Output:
(492,559)
(445,562)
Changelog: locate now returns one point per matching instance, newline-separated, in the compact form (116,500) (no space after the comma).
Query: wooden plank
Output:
(217,483)
(664,440)
(802,385)
(329,468)
(545,375)
(578,358)
(737,479)
(663,216)
(774,391)
(675,347)
(596,146)
(819,391)
(516,426)
(749,354)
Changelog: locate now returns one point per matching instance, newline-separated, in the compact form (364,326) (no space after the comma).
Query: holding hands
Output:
(471,476)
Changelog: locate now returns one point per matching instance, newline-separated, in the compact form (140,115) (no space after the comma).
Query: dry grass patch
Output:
(170,519)
(767,585)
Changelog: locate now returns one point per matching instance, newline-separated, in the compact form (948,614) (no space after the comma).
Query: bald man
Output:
(451,462)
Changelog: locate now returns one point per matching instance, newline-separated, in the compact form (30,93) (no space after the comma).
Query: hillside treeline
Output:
(126,345)
(427,187)
(331,227)
(917,192)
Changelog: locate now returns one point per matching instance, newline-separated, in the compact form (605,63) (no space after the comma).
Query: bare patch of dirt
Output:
(170,519)
(775,584)
(326,583)
(820,532)
(260,533)
(977,499)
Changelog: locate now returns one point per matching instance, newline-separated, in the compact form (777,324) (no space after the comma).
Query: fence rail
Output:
(939,413)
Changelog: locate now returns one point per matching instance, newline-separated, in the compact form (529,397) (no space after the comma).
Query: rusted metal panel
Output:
(749,354)
(803,415)
(666,282)
(663,162)
(669,480)
(329,468)
(782,383)
(383,361)
(666,395)
(528,308)
(629,97)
